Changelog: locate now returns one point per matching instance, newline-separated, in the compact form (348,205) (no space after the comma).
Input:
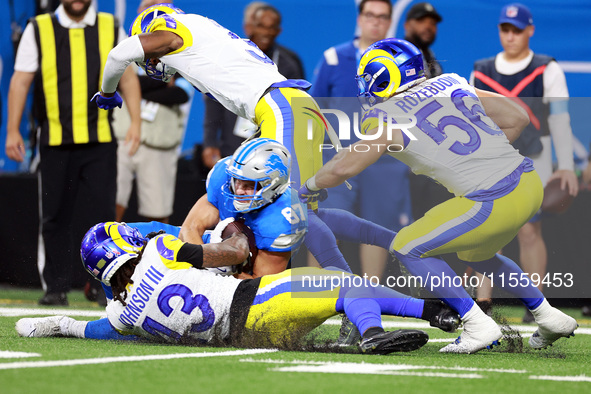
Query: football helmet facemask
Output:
(265,162)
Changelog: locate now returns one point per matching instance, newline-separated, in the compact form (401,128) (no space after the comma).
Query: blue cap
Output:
(516,14)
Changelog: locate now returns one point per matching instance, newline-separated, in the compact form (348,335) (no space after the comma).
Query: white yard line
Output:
(581,378)
(399,369)
(8,354)
(108,360)
(15,312)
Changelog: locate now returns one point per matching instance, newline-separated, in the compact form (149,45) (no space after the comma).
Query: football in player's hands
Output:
(238,226)
(556,200)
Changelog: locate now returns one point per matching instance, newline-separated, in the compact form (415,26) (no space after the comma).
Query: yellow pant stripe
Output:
(485,238)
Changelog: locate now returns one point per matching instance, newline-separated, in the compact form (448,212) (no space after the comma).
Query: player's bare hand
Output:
(15,147)
(568,179)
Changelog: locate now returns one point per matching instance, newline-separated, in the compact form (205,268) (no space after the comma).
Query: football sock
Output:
(504,268)
(364,305)
(73,328)
(322,243)
(363,312)
(348,227)
(439,279)
(102,329)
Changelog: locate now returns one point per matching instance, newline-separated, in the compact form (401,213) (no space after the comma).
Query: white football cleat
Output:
(552,325)
(480,332)
(41,327)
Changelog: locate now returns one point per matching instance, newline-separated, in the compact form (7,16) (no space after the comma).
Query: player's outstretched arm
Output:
(349,163)
(508,115)
(136,49)
(127,51)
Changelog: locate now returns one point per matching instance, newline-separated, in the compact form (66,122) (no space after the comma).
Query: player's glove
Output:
(107,102)
(311,197)
(216,234)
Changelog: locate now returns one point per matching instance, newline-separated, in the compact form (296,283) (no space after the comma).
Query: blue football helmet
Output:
(265,162)
(388,67)
(141,24)
(107,246)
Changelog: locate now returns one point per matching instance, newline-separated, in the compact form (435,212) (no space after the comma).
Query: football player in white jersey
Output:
(161,293)
(444,132)
(164,40)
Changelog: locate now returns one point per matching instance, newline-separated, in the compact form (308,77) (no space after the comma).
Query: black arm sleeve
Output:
(192,254)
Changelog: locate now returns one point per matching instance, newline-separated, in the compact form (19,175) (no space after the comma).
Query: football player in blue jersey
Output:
(161,293)
(253,184)
(466,148)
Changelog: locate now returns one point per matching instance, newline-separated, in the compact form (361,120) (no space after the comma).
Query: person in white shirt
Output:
(63,52)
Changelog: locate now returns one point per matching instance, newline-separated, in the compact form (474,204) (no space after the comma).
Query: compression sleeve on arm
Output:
(129,50)
(192,254)
(562,137)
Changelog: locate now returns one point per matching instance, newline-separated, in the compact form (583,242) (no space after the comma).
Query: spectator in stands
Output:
(420,29)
